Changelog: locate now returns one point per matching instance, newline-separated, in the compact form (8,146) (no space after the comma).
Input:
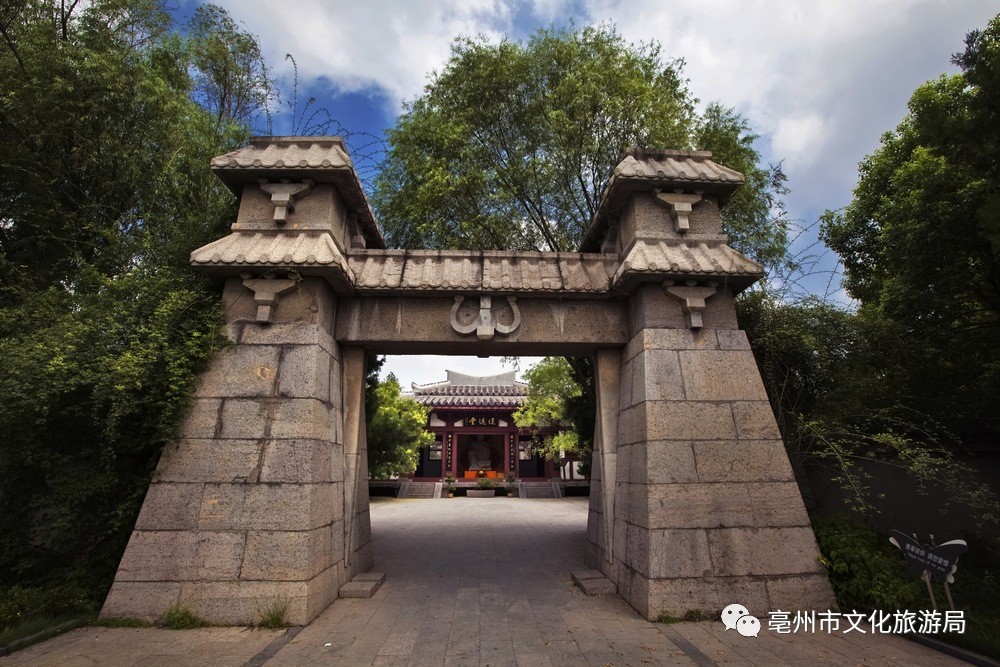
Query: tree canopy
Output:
(511,144)
(395,431)
(920,240)
(104,189)
(553,395)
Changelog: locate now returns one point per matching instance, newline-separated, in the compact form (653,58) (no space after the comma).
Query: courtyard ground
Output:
(476,582)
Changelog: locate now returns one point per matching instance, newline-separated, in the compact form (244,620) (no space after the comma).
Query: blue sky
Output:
(819,80)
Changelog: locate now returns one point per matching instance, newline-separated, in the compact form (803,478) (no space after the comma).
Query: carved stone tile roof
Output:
(688,260)
(521,272)
(643,170)
(269,249)
(676,167)
(287,153)
(322,159)
(472,391)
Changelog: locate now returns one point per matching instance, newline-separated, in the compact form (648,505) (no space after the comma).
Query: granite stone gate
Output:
(262,499)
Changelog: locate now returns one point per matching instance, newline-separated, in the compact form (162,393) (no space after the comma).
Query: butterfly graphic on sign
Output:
(939,562)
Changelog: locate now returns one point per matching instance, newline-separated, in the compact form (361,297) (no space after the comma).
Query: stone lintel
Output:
(417,325)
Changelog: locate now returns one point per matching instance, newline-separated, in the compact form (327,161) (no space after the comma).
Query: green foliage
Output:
(19,604)
(179,617)
(511,144)
(38,629)
(833,377)
(550,383)
(866,571)
(231,79)
(395,432)
(920,241)
(551,390)
(273,618)
(486,483)
(104,190)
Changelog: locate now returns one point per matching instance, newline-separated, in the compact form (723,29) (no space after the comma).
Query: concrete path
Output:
(477,582)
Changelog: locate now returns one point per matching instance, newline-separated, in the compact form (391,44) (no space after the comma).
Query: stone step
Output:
(592,582)
(419,490)
(363,585)
(538,490)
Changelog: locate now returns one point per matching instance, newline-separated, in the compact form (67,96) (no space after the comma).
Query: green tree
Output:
(920,240)
(553,394)
(104,190)
(231,79)
(511,144)
(395,432)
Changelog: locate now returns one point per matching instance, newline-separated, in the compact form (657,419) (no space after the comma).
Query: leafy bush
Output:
(866,571)
(18,604)
(486,483)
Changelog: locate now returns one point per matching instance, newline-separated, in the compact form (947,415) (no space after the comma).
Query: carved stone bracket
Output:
(284,195)
(485,325)
(265,294)
(680,206)
(692,297)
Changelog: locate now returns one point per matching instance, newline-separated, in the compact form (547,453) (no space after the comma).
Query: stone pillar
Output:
(256,505)
(709,512)
(245,512)
(358,531)
(693,503)
(601,520)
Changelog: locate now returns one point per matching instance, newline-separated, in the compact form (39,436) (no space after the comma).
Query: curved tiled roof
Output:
(287,152)
(473,391)
(321,159)
(699,260)
(269,249)
(482,270)
(676,166)
(477,401)
(643,170)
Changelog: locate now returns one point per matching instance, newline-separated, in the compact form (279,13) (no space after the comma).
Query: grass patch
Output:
(32,626)
(122,622)
(690,616)
(274,618)
(179,617)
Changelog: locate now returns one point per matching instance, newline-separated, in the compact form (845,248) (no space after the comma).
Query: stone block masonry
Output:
(246,510)
(706,508)
(261,500)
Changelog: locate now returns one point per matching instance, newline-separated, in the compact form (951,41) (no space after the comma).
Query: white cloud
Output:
(819,80)
(801,137)
(378,43)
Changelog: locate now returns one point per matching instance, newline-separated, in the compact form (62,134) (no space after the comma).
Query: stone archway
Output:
(262,498)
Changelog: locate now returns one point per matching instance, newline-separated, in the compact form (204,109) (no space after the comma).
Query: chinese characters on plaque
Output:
(480,420)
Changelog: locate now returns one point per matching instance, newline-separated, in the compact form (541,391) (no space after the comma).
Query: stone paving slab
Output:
(147,646)
(477,582)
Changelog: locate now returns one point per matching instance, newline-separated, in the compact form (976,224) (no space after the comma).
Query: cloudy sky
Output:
(819,80)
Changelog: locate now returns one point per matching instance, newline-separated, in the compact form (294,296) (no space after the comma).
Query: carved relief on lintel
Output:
(692,297)
(284,195)
(680,205)
(266,292)
(465,319)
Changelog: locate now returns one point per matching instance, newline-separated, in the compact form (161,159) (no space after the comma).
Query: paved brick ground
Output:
(477,582)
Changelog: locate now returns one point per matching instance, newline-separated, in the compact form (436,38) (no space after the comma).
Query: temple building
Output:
(475,434)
